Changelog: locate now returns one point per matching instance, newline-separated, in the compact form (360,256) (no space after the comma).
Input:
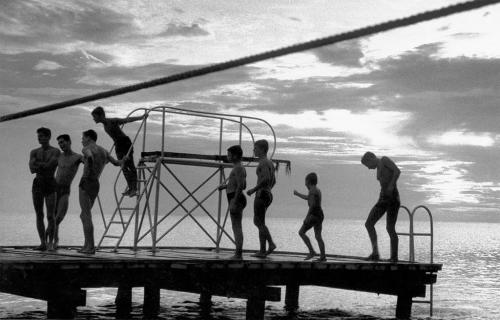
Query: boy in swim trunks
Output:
(122,145)
(67,166)
(95,158)
(266,180)
(314,218)
(235,197)
(43,163)
(387,175)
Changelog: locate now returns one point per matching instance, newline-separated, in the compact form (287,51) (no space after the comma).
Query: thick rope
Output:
(362,32)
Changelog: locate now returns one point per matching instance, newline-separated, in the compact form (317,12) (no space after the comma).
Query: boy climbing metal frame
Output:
(151,166)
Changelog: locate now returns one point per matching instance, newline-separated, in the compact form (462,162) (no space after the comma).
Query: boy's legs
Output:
(302,233)
(129,170)
(62,208)
(50,203)
(261,203)
(376,213)
(236,217)
(321,244)
(392,217)
(40,225)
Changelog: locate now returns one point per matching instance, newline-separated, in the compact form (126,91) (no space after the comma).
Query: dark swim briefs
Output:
(265,196)
(314,218)
(44,185)
(61,190)
(90,186)
(241,201)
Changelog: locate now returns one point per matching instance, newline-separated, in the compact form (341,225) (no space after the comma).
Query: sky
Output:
(427,96)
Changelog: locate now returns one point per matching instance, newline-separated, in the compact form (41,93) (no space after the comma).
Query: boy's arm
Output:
(51,162)
(388,163)
(300,195)
(115,162)
(33,164)
(263,178)
(129,119)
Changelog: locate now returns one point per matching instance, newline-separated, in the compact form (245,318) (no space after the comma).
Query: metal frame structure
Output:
(155,167)
(411,236)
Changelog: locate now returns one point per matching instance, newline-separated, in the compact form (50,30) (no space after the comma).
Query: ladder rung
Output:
(403,234)
(114,237)
(422,234)
(115,222)
(421,301)
(127,208)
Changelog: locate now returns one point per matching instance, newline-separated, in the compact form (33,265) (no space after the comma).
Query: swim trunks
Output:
(44,185)
(241,201)
(314,218)
(90,186)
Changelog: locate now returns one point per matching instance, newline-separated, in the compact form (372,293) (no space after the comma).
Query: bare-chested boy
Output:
(122,145)
(95,158)
(263,197)
(314,218)
(235,197)
(387,175)
(67,166)
(43,163)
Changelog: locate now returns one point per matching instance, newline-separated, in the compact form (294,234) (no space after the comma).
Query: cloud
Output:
(184,30)
(347,54)
(47,65)
(462,138)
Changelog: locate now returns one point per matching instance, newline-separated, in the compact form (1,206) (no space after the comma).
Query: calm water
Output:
(468,287)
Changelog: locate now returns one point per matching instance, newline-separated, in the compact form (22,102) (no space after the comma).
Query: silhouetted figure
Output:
(263,197)
(67,166)
(387,175)
(122,145)
(95,158)
(235,197)
(43,163)
(314,218)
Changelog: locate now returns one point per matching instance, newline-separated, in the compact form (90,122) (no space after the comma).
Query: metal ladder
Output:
(411,235)
(119,216)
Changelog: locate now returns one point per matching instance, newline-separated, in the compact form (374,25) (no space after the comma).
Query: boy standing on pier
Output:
(122,145)
(387,174)
(67,166)
(235,197)
(314,216)
(43,163)
(95,158)
(265,182)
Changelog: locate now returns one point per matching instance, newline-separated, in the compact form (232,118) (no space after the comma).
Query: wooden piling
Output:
(151,306)
(205,300)
(292,296)
(123,301)
(403,306)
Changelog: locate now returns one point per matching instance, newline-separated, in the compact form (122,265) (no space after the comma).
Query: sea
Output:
(468,287)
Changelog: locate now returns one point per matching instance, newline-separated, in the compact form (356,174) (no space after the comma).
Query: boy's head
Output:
(369,159)
(44,135)
(89,136)
(98,114)
(261,147)
(312,179)
(234,153)
(64,142)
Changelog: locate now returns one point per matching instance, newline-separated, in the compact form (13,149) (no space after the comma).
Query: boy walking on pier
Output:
(387,174)
(314,216)
(122,145)
(95,158)
(235,197)
(67,166)
(266,180)
(43,163)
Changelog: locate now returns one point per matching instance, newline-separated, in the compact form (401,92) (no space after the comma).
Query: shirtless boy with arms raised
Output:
(235,197)
(263,197)
(387,175)
(122,145)
(43,163)
(95,158)
(314,218)
(67,166)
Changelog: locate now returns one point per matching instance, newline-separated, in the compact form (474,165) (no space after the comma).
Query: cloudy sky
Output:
(427,95)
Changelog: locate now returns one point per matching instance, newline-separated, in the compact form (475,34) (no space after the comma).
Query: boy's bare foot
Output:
(271,249)
(259,254)
(236,257)
(41,247)
(88,251)
(373,257)
(310,255)
(321,259)
(50,247)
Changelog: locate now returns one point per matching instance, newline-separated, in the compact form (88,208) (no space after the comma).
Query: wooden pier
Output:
(60,277)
